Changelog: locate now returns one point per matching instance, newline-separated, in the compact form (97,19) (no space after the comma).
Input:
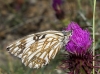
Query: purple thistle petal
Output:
(80,40)
(59,13)
(56,3)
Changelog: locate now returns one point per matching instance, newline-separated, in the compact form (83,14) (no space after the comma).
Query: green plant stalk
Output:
(94,33)
(79,4)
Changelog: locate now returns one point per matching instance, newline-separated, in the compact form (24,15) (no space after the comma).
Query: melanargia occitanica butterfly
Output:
(36,50)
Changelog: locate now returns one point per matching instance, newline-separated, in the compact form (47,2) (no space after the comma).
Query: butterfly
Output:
(36,50)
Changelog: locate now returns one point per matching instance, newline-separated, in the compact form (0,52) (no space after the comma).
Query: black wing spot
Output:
(38,37)
(43,36)
(8,48)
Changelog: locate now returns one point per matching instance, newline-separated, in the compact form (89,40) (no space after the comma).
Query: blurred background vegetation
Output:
(22,17)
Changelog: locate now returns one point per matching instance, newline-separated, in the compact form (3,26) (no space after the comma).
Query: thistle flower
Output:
(80,41)
(79,58)
(57,7)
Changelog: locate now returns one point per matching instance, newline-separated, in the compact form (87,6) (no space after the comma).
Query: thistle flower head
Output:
(80,41)
(79,58)
(56,4)
(57,7)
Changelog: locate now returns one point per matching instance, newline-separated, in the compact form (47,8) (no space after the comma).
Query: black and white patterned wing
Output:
(38,49)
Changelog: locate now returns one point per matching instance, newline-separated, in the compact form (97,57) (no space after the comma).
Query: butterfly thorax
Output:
(67,35)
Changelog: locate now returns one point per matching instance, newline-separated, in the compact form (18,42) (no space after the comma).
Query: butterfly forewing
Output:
(38,49)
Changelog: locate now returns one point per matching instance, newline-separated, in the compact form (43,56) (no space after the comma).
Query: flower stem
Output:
(79,4)
(94,33)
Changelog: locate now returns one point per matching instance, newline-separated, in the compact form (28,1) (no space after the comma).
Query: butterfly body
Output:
(36,50)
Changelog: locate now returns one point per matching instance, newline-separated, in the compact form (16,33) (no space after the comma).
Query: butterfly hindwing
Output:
(39,54)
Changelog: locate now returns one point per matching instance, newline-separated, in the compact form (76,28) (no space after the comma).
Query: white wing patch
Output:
(38,49)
